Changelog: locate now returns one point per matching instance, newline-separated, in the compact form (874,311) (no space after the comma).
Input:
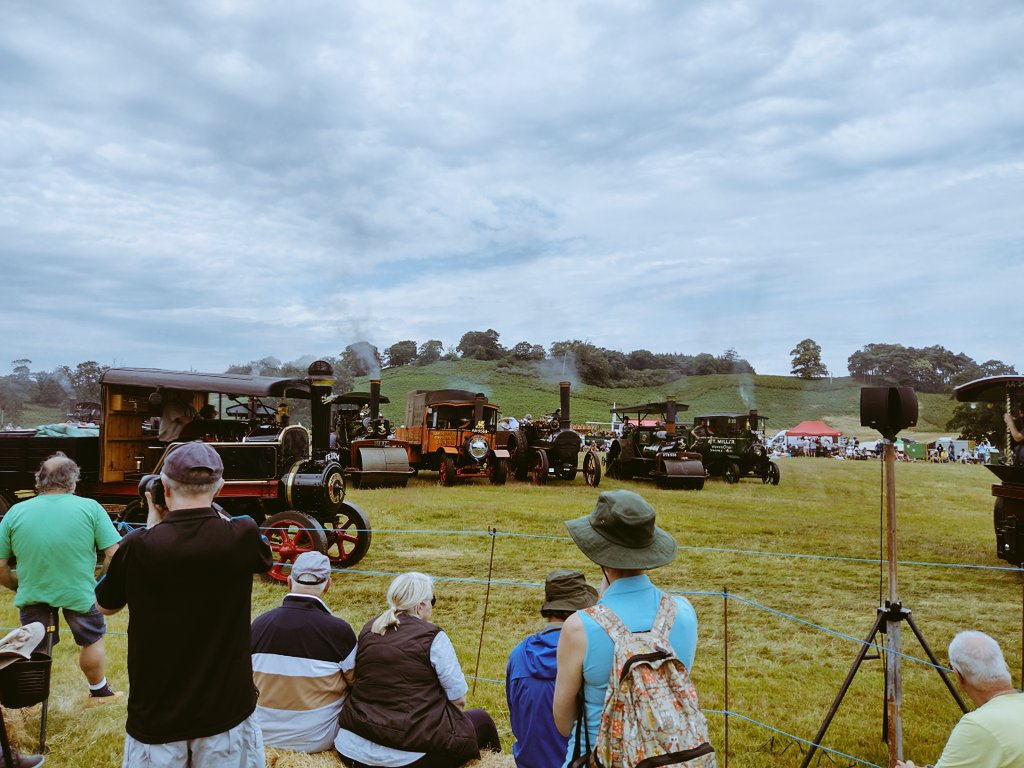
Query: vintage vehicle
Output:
(549,448)
(1008,511)
(365,442)
(454,432)
(731,446)
(650,447)
(282,475)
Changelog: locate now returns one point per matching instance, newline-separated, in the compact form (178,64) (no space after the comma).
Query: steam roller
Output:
(381,467)
(681,473)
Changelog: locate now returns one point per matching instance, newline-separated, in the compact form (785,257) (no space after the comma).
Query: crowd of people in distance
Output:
(209,687)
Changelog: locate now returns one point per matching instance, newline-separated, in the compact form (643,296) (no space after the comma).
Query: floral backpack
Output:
(651,716)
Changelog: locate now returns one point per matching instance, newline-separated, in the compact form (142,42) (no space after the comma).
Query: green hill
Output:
(786,401)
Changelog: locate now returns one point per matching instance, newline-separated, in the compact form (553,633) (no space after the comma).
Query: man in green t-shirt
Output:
(991,736)
(55,537)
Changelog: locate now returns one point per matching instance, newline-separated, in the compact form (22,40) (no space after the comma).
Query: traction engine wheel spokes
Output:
(539,470)
(499,472)
(732,472)
(291,533)
(591,469)
(774,475)
(348,540)
(447,470)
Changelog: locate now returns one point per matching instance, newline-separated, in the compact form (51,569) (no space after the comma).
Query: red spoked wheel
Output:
(348,540)
(290,534)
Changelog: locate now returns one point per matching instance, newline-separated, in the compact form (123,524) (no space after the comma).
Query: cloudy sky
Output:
(195,184)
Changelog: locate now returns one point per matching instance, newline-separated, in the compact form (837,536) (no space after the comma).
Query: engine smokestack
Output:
(478,408)
(321,381)
(670,415)
(563,418)
(374,398)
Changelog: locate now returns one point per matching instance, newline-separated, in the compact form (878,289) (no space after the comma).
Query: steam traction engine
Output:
(282,475)
(550,448)
(651,448)
(366,443)
(1008,511)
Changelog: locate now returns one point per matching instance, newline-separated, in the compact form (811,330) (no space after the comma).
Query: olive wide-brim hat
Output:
(620,533)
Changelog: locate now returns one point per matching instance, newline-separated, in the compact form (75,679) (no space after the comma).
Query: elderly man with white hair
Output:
(992,736)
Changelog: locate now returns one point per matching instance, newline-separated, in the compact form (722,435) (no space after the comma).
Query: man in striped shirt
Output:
(302,661)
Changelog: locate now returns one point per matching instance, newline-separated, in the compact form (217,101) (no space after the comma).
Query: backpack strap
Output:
(607,620)
(665,617)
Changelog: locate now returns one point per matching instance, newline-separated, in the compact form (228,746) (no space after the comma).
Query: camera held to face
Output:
(155,486)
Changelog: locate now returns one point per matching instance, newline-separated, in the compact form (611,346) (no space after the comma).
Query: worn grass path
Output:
(782,672)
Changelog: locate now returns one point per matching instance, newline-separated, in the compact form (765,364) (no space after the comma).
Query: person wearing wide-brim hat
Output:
(530,676)
(622,537)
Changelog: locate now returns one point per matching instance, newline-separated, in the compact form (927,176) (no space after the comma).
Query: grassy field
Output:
(782,671)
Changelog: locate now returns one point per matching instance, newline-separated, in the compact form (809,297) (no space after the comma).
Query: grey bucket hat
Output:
(620,533)
(566,590)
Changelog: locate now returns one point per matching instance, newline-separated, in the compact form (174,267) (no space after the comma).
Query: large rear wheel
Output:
(519,458)
(291,533)
(591,469)
(348,540)
(539,470)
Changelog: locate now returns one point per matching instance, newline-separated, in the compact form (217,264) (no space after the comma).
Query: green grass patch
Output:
(781,672)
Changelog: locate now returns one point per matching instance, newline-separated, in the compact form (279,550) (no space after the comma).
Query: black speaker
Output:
(888,409)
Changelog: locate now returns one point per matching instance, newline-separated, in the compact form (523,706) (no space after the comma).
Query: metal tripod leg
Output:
(938,667)
(865,646)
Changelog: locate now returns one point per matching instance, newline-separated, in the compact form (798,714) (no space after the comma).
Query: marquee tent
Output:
(813,429)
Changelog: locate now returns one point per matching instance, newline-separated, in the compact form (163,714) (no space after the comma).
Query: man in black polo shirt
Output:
(187,582)
(303,659)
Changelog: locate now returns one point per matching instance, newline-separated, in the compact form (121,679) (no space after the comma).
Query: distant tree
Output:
(929,369)
(641,360)
(84,380)
(973,421)
(807,360)
(731,362)
(11,401)
(361,359)
(430,352)
(49,389)
(524,350)
(481,345)
(22,367)
(401,353)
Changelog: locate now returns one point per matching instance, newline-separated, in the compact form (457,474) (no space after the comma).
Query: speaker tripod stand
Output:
(889,621)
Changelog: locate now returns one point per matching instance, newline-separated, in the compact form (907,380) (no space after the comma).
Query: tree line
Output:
(926,369)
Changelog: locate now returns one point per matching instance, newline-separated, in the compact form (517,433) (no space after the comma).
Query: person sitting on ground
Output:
(55,537)
(530,677)
(302,662)
(622,537)
(406,706)
(991,736)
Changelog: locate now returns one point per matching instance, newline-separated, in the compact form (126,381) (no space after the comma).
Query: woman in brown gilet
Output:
(406,707)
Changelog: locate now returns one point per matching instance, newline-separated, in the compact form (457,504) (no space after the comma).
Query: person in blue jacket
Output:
(530,677)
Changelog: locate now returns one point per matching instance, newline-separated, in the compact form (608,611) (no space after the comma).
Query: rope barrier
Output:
(789,735)
(726,595)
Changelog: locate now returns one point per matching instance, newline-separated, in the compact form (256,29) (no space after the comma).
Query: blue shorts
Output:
(86,627)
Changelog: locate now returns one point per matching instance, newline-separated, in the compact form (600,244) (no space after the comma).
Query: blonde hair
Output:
(406,592)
